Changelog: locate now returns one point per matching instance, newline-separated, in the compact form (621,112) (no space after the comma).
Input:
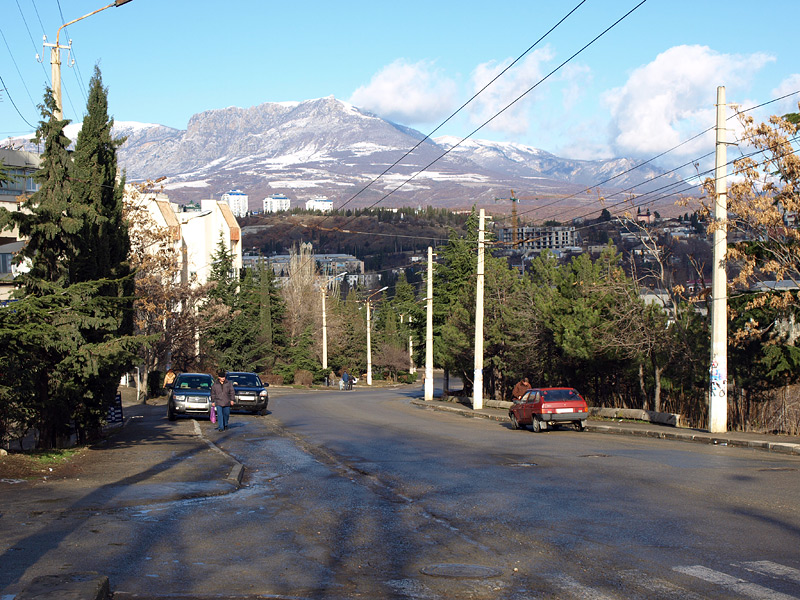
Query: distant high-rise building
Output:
(320,203)
(238,201)
(276,203)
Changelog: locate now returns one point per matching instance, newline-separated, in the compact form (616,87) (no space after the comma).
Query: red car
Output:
(543,407)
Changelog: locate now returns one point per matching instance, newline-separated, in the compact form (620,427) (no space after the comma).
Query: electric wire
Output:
(16,66)
(683,143)
(464,105)
(14,104)
(508,106)
(78,75)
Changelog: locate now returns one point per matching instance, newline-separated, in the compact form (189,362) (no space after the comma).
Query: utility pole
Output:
(429,331)
(369,328)
(718,385)
(324,290)
(55,57)
(477,400)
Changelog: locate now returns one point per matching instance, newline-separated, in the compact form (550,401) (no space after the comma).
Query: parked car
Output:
(251,393)
(546,407)
(190,395)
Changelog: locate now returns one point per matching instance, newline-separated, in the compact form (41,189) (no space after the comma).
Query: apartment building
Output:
(194,233)
(320,203)
(21,166)
(238,201)
(553,238)
(276,203)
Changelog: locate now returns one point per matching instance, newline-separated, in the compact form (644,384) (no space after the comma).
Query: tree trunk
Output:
(657,388)
(643,388)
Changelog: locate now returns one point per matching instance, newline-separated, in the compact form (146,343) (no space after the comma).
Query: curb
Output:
(88,585)
(669,433)
(236,473)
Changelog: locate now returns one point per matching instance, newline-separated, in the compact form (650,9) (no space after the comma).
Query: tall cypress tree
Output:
(64,336)
(103,255)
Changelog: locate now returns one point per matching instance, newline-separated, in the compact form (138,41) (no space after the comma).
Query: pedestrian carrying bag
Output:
(213,415)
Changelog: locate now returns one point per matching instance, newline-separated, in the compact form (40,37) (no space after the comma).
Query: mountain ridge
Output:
(329,147)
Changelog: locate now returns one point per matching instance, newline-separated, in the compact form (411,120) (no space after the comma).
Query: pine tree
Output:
(63,336)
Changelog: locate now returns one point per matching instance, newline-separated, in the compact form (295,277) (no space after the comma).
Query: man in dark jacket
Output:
(519,389)
(222,398)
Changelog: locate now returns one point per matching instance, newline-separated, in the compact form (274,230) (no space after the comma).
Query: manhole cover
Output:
(522,464)
(461,571)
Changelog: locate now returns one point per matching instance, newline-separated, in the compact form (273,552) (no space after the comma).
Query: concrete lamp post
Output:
(369,327)
(55,56)
(324,290)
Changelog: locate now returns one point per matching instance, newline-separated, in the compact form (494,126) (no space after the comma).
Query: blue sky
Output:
(645,86)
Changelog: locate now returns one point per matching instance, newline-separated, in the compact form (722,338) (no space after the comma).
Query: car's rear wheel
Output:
(514,423)
(536,424)
(580,425)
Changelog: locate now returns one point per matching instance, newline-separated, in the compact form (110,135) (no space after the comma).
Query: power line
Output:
(16,66)
(460,108)
(14,104)
(78,75)
(501,111)
(683,143)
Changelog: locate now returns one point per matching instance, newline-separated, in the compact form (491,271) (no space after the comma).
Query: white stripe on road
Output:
(739,586)
(577,589)
(662,589)
(766,567)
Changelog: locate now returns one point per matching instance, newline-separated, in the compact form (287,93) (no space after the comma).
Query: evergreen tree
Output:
(105,241)
(63,335)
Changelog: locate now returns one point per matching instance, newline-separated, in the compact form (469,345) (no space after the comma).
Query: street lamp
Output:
(55,56)
(324,289)
(369,327)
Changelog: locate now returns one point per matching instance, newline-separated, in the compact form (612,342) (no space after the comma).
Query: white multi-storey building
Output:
(194,234)
(320,203)
(276,203)
(541,238)
(238,201)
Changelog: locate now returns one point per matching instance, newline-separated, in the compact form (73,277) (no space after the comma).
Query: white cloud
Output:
(408,93)
(788,86)
(510,86)
(672,98)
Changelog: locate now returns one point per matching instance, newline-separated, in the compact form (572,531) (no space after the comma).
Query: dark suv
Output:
(251,393)
(190,394)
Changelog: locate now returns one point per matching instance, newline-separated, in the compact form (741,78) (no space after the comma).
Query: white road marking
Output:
(663,589)
(577,589)
(739,586)
(766,567)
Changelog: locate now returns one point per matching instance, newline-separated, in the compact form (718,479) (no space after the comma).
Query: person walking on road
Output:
(222,398)
(519,389)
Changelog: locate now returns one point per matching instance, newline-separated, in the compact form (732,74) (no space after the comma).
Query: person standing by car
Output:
(169,379)
(222,398)
(346,380)
(519,389)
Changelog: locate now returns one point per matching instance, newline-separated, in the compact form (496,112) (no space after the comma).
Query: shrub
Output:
(272,379)
(303,377)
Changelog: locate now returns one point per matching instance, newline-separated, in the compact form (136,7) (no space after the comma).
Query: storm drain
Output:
(456,571)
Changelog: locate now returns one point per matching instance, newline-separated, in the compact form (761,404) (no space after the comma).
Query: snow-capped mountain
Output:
(331,148)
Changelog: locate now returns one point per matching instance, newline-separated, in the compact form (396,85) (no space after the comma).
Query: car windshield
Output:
(244,379)
(559,395)
(193,382)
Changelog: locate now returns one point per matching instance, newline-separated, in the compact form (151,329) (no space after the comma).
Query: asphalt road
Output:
(362,495)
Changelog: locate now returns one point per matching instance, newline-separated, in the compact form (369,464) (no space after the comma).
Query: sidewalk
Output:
(149,460)
(783,444)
